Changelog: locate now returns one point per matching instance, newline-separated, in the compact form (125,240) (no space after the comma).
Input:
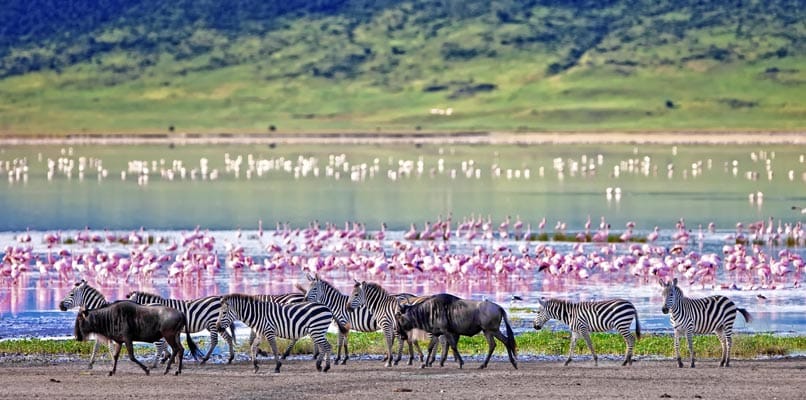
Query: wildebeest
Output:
(448,315)
(125,322)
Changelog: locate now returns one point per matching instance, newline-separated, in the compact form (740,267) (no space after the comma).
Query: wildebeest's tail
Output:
(194,350)
(510,335)
(745,314)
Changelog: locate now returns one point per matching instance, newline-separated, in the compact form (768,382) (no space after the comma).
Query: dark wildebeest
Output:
(448,315)
(124,322)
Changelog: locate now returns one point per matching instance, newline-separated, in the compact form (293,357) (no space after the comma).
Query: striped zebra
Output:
(289,321)
(383,307)
(591,316)
(87,297)
(713,314)
(201,314)
(358,318)
(285,298)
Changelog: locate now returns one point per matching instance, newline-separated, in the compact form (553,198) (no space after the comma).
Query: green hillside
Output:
(115,66)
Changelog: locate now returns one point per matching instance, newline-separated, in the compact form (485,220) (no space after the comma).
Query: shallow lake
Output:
(168,191)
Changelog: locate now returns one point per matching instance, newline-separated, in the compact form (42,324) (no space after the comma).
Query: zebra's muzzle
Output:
(350,308)
(62,307)
(665,310)
(538,326)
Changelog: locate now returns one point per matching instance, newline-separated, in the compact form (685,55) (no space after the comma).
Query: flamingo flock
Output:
(753,257)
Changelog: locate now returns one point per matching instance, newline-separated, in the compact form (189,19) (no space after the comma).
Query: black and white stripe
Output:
(383,307)
(713,314)
(291,321)
(201,314)
(87,297)
(591,316)
(358,318)
(285,298)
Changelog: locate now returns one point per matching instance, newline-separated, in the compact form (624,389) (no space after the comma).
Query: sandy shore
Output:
(423,138)
(362,379)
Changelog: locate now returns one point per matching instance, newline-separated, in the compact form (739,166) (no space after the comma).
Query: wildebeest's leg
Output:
(130,349)
(490,348)
(115,356)
(452,341)
(346,347)
(429,359)
(572,347)
(176,350)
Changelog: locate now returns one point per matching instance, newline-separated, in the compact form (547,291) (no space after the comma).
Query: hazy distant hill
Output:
(545,63)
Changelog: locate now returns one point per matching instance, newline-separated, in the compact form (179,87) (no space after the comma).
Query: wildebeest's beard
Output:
(80,321)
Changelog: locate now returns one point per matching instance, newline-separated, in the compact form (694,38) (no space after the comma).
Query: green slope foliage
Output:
(246,66)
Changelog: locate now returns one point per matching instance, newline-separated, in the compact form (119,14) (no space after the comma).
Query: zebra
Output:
(285,298)
(383,307)
(358,318)
(271,320)
(87,297)
(591,316)
(201,314)
(706,315)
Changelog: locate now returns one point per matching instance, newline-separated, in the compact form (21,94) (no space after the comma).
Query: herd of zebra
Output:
(370,308)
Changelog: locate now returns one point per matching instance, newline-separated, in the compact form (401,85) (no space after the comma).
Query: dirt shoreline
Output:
(369,379)
(421,138)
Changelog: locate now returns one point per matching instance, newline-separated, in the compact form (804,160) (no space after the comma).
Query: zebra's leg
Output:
(490,348)
(587,337)
(260,352)
(95,351)
(390,343)
(690,340)
(288,350)
(400,349)
(253,350)
(159,350)
(728,345)
(230,343)
(213,343)
(273,344)
(677,334)
(721,335)
(572,347)
(629,339)
(320,341)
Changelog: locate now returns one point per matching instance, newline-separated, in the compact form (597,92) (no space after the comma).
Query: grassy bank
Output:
(532,343)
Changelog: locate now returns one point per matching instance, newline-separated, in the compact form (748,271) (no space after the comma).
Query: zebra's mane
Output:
(145,294)
(90,290)
(327,285)
(376,288)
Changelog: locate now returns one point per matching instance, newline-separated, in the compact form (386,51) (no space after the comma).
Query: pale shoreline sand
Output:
(492,138)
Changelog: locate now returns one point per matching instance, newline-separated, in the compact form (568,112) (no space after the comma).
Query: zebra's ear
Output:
(309,276)
(661,282)
(674,281)
(542,301)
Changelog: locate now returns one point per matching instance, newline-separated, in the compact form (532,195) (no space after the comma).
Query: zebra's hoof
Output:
(327,367)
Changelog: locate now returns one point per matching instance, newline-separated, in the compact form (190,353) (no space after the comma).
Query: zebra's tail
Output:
(745,314)
(637,328)
(510,335)
(194,350)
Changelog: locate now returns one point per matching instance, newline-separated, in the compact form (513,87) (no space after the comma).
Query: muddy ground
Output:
(369,379)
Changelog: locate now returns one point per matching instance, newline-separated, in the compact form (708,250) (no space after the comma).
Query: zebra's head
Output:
(315,292)
(358,297)
(75,298)
(541,315)
(670,294)
(223,311)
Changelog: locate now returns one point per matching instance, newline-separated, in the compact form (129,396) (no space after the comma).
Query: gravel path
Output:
(368,379)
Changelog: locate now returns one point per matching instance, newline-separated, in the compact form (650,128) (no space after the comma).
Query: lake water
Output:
(165,192)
